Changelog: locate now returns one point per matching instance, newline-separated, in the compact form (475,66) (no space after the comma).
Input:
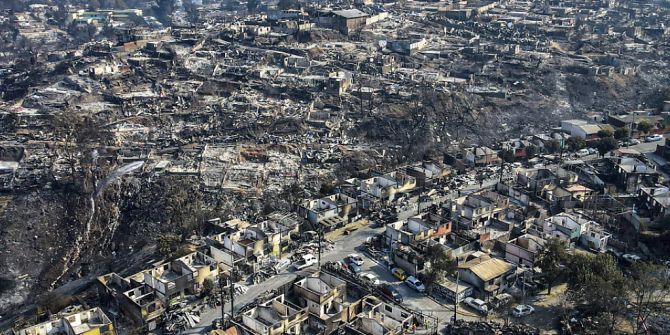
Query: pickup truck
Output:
(306,261)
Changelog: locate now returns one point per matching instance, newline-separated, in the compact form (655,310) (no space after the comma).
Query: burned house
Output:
(274,317)
(379,318)
(137,301)
(326,299)
(332,211)
(88,322)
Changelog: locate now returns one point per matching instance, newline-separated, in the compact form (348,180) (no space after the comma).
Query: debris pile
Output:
(484,328)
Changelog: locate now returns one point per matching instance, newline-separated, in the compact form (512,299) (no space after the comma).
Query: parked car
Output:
(477,305)
(391,292)
(369,278)
(399,273)
(353,267)
(356,259)
(306,261)
(631,258)
(592,151)
(416,284)
(582,152)
(522,310)
(281,264)
(653,138)
(634,141)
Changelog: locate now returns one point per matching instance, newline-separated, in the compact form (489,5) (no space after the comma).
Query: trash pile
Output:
(483,328)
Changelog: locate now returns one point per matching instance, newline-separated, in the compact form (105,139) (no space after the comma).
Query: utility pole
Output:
(223,298)
(232,294)
(523,286)
(456,297)
(320,234)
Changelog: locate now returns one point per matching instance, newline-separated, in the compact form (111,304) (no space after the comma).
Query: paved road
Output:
(347,244)
(344,245)
(413,299)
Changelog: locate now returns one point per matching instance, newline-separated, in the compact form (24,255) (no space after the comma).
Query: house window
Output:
(593,234)
(388,308)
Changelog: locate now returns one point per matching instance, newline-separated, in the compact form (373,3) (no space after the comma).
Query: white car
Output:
(477,304)
(653,138)
(370,278)
(416,284)
(582,152)
(522,310)
(306,261)
(356,259)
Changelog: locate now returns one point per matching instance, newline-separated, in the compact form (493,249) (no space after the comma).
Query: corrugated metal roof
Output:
(487,269)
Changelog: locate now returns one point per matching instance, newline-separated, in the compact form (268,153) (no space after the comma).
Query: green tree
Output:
(531,151)
(644,127)
(621,133)
(440,264)
(507,155)
(575,143)
(597,283)
(606,145)
(552,146)
(649,291)
(207,288)
(551,260)
(602,133)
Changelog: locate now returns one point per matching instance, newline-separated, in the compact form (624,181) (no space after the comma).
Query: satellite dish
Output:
(510,25)
(382,44)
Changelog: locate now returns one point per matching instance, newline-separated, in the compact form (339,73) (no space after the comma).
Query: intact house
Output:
(656,200)
(379,318)
(486,275)
(325,297)
(567,227)
(448,288)
(584,129)
(524,249)
(137,301)
(88,322)
(274,317)
(332,211)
